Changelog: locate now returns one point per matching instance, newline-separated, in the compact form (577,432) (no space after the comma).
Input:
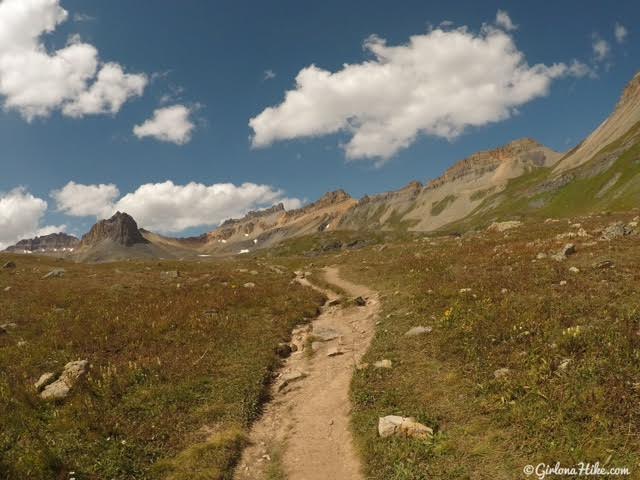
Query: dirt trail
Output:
(307,420)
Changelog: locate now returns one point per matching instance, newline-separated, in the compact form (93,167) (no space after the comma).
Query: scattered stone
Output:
(315,346)
(249,285)
(44,380)
(290,377)
(9,265)
(395,425)
(614,230)
(284,350)
(501,373)
(563,283)
(568,249)
(170,274)
(55,273)
(60,389)
(383,364)
(504,291)
(541,256)
(6,289)
(359,301)
(574,269)
(325,334)
(415,331)
(465,290)
(504,226)
(5,327)
(604,264)
(564,364)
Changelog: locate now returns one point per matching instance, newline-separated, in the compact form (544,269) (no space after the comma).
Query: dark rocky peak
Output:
(121,229)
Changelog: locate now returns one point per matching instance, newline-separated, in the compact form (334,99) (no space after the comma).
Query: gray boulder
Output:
(72,373)
(395,425)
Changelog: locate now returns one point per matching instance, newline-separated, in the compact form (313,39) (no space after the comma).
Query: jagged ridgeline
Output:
(517,181)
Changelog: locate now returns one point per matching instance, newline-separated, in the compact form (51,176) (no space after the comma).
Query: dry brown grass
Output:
(170,359)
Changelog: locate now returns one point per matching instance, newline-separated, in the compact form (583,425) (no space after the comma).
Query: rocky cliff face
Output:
(625,116)
(121,229)
(54,243)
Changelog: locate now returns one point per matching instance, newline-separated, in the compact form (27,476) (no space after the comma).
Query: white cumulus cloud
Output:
(168,208)
(503,20)
(36,80)
(620,32)
(439,84)
(20,217)
(86,200)
(169,124)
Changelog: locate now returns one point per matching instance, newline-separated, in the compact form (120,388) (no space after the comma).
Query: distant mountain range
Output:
(519,180)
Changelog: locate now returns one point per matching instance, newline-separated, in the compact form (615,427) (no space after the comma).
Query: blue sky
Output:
(211,58)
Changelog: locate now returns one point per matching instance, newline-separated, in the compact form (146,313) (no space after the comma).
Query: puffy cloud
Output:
(167,207)
(439,83)
(503,20)
(269,75)
(20,216)
(36,80)
(111,89)
(86,200)
(170,124)
(620,32)
(601,48)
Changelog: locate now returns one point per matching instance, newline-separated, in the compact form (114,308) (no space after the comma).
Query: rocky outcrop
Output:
(395,425)
(121,229)
(528,151)
(60,388)
(623,118)
(55,242)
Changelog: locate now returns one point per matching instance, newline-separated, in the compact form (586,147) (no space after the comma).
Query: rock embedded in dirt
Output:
(415,331)
(9,266)
(383,364)
(574,269)
(249,285)
(6,289)
(334,352)
(325,334)
(359,301)
(289,378)
(395,425)
(604,264)
(55,273)
(73,371)
(283,350)
(567,250)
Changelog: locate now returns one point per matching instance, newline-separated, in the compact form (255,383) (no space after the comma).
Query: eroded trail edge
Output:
(304,430)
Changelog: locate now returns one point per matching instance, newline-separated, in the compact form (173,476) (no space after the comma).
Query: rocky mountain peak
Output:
(489,160)
(330,198)
(121,229)
(54,242)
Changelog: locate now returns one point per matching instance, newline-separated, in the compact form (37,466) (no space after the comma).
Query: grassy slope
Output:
(177,374)
(488,428)
(584,194)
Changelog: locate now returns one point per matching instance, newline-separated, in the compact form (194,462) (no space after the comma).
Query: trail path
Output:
(307,420)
